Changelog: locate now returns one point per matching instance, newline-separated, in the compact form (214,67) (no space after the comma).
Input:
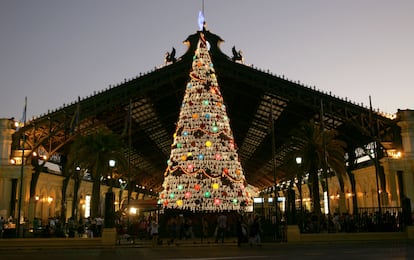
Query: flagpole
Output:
(21,172)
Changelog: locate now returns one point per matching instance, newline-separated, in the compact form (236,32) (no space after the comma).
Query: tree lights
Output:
(203,171)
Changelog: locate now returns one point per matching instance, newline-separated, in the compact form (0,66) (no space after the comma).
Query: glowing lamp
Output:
(172,195)
(226,170)
(235,201)
(218,156)
(179,145)
(209,143)
(190,167)
(216,201)
(215,186)
(205,102)
(207,194)
(214,129)
(195,116)
(183,158)
(180,187)
(197,187)
(200,156)
(179,203)
(187,195)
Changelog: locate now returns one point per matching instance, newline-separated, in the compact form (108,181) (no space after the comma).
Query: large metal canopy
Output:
(251,96)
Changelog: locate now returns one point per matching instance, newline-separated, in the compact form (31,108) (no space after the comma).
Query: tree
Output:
(72,170)
(93,153)
(204,172)
(313,150)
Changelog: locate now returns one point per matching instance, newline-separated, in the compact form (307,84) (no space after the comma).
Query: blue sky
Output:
(53,51)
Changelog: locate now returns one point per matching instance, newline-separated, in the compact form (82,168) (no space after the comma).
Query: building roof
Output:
(253,97)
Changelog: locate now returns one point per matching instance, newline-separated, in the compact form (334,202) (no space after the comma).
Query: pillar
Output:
(6,132)
(406,122)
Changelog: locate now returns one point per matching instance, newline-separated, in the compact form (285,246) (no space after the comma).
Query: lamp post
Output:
(299,185)
(274,171)
(109,201)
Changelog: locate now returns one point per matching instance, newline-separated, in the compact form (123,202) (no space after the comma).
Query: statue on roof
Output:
(237,55)
(170,57)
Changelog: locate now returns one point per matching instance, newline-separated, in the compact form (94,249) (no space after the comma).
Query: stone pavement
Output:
(293,238)
(33,243)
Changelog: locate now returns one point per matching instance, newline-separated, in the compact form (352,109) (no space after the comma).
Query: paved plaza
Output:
(326,250)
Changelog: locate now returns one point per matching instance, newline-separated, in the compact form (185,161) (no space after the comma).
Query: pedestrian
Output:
(221,227)
(205,227)
(81,228)
(99,225)
(254,232)
(2,222)
(241,230)
(154,232)
(71,227)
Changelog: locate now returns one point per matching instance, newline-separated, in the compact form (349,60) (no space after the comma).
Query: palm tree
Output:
(315,145)
(72,170)
(93,152)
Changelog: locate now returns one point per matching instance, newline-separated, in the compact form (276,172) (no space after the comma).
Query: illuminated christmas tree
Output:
(204,172)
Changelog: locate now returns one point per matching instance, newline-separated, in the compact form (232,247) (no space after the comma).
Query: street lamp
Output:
(299,185)
(109,201)
(112,163)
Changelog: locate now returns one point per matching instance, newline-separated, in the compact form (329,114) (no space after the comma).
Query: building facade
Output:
(398,168)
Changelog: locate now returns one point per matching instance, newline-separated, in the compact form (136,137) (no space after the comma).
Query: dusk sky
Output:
(53,51)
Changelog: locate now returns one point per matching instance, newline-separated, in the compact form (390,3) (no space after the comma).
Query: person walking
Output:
(204,228)
(254,232)
(154,232)
(221,227)
(2,222)
(241,230)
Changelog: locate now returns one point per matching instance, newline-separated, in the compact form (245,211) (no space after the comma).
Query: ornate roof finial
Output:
(201,21)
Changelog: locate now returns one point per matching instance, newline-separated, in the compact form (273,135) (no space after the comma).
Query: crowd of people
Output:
(54,227)
(362,222)
(214,228)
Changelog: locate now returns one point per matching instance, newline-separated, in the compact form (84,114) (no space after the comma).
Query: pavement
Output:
(38,243)
(41,243)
